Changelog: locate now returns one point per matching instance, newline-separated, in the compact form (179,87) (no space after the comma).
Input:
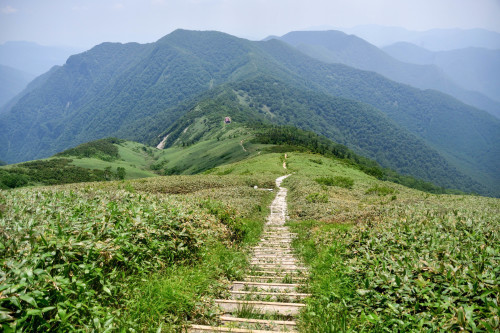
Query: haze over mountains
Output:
(21,62)
(434,39)
(138,92)
(472,68)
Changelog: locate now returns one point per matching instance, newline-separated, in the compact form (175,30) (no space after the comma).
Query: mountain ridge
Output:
(91,96)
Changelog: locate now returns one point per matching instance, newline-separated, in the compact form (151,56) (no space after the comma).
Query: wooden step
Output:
(284,267)
(278,261)
(285,325)
(240,285)
(238,294)
(270,255)
(272,279)
(205,328)
(287,309)
(273,252)
(280,274)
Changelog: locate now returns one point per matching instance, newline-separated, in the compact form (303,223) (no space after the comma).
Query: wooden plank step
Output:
(275,249)
(240,285)
(280,261)
(289,325)
(284,267)
(278,233)
(206,328)
(270,255)
(272,279)
(237,294)
(271,272)
(272,247)
(287,309)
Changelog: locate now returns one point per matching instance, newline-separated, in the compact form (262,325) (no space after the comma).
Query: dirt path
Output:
(243,147)
(273,285)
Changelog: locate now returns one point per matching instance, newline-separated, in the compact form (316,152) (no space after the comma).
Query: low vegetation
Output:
(53,172)
(81,257)
(151,254)
(412,262)
(104,149)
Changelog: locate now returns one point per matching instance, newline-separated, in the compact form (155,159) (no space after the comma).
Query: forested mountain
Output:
(138,91)
(12,82)
(359,126)
(473,68)
(337,47)
(435,39)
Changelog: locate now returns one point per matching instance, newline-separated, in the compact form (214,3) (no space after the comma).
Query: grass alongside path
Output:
(148,254)
(139,255)
(387,258)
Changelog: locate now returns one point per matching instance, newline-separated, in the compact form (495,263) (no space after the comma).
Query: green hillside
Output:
(150,254)
(362,128)
(137,92)
(443,122)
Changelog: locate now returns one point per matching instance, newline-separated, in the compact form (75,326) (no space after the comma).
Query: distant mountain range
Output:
(12,82)
(338,47)
(21,62)
(472,68)
(33,58)
(141,92)
(435,39)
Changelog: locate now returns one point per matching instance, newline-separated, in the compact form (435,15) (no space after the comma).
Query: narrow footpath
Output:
(269,297)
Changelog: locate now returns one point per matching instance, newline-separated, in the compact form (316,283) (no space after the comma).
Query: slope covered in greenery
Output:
(362,128)
(135,256)
(467,136)
(387,258)
(150,254)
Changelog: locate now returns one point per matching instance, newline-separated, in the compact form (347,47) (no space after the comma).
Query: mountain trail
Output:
(243,147)
(273,287)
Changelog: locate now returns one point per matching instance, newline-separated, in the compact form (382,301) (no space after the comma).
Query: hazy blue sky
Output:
(88,22)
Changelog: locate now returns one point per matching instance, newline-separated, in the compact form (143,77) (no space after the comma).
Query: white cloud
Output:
(8,10)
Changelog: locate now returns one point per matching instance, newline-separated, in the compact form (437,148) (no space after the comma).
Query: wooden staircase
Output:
(270,295)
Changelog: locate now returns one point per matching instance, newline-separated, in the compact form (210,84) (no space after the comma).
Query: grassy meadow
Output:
(151,254)
(384,257)
(141,255)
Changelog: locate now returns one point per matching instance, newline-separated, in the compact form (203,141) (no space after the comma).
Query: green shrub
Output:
(316,160)
(317,197)
(339,181)
(380,190)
